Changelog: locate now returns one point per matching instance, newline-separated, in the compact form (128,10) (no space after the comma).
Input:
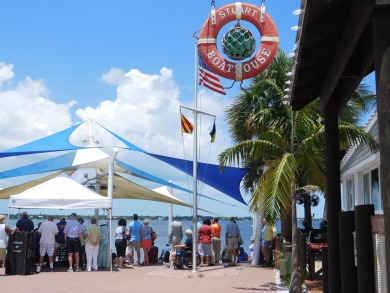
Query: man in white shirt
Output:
(48,231)
(5,232)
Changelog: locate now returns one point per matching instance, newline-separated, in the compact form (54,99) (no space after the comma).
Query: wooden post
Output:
(381,20)
(302,255)
(333,195)
(325,269)
(347,252)
(364,249)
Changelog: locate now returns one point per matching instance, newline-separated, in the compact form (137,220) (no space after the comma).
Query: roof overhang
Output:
(334,51)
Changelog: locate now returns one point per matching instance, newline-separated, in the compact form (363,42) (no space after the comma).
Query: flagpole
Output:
(195,167)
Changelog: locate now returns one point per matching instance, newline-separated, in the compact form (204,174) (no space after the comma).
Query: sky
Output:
(127,64)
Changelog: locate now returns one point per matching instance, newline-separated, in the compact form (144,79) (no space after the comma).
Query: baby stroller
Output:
(184,258)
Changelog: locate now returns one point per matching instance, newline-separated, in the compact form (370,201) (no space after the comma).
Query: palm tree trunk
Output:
(295,286)
(286,222)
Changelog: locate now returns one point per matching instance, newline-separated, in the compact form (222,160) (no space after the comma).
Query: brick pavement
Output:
(154,279)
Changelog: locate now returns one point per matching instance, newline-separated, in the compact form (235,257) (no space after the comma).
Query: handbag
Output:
(124,236)
(154,235)
(240,241)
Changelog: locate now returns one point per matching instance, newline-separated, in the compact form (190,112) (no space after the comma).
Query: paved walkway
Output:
(153,279)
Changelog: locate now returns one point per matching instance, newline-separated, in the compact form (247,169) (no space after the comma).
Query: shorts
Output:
(134,245)
(2,253)
(146,243)
(73,245)
(268,246)
(232,243)
(120,246)
(173,243)
(204,249)
(46,248)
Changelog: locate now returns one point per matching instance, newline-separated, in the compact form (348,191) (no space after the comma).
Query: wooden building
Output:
(338,43)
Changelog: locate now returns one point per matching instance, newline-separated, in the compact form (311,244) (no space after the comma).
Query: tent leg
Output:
(109,214)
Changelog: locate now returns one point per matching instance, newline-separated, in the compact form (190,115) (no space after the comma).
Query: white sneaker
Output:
(168,264)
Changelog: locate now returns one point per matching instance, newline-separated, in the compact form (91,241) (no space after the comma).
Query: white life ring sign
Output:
(238,70)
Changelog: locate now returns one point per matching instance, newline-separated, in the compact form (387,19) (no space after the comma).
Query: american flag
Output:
(209,79)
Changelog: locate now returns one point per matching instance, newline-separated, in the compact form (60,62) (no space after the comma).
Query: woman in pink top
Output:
(205,233)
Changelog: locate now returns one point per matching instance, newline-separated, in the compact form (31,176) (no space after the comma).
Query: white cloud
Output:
(113,77)
(146,111)
(6,72)
(27,113)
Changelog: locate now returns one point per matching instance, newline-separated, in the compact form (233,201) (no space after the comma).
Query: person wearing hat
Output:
(251,248)
(73,235)
(83,256)
(146,240)
(5,232)
(24,224)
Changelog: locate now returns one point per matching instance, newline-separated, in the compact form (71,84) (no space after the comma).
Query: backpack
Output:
(153,255)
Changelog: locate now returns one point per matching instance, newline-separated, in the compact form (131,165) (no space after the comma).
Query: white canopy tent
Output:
(61,192)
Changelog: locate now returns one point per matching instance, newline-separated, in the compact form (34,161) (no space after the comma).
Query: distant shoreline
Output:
(44,216)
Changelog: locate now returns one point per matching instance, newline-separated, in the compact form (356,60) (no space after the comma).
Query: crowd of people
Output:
(129,239)
(87,248)
(209,243)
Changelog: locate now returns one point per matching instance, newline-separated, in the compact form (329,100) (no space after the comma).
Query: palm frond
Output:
(311,169)
(247,151)
(354,135)
(273,193)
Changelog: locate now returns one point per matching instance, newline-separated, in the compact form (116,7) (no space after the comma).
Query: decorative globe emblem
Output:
(238,43)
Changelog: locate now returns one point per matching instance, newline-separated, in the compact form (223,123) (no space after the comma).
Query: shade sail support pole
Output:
(195,168)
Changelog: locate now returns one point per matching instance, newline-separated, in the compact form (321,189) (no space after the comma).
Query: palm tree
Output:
(268,133)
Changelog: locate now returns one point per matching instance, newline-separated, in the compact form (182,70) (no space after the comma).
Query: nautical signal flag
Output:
(186,126)
(213,133)
(209,79)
